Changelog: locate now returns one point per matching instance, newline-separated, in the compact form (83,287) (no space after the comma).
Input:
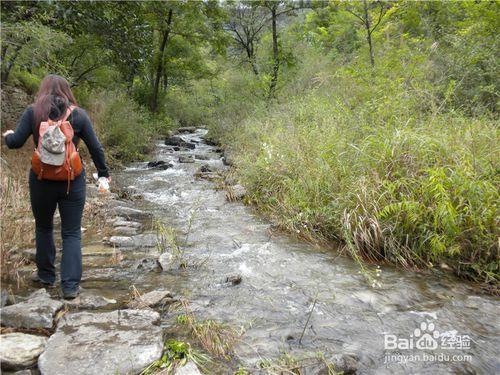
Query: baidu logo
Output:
(427,337)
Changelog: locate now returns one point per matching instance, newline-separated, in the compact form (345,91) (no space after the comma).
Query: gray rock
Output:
(146,264)
(116,342)
(189,368)
(131,213)
(121,241)
(124,231)
(87,300)
(202,157)
(166,261)
(228,158)
(177,140)
(126,223)
(36,312)
(186,129)
(342,363)
(159,164)
(145,240)
(186,159)
(154,298)
(20,350)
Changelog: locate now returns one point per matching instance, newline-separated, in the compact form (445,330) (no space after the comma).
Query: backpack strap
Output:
(68,112)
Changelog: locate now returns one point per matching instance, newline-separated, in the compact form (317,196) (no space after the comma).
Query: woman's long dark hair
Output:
(53,99)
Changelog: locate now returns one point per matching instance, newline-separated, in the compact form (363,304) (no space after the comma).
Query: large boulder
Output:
(20,350)
(116,342)
(35,312)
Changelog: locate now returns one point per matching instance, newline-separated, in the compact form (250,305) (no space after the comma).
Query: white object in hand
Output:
(103,185)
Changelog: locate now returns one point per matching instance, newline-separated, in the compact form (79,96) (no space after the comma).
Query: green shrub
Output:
(125,129)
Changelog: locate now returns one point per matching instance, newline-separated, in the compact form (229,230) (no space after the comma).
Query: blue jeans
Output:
(45,197)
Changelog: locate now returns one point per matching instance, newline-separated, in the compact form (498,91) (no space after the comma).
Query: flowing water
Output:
(283,280)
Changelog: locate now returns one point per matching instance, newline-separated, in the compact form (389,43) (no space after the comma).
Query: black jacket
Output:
(81,125)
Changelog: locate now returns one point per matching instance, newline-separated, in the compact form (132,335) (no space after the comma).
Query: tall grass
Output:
(370,159)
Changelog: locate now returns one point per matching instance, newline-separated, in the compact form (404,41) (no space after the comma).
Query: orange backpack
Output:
(71,167)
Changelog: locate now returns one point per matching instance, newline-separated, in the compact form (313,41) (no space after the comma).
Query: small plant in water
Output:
(167,241)
(216,338)
(176,354)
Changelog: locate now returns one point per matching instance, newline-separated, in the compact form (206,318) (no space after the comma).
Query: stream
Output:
(295,301)
(282,277)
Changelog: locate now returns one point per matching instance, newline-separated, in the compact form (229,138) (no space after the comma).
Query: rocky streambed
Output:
(184,261)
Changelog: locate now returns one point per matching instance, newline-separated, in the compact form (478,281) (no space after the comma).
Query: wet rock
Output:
(124,231)
(116,342)
(88,300)
(211,141)
(176,140)
(121,241)
(131,213)
(155,298)
(20,350)
(126,223)
(35,312)
(189,368)
(235,193)
(145,264)
(159,164)
(186,159)
(29,254)
(145,240)
(342,363)
(228,158)
(166,261)
(234,279)
(202,157)
(186,129)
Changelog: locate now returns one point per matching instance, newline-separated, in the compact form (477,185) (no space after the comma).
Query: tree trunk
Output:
(159,65)
(368,33)
(251,58)
(276,65)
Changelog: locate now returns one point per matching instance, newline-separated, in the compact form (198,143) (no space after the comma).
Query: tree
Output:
(363,12)
(246,22)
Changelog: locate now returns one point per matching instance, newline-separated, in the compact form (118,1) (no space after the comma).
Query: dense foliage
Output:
(374,123)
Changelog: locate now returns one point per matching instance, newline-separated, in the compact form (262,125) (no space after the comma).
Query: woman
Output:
(53,100)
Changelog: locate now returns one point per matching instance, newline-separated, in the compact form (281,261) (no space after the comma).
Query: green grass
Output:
(360,157)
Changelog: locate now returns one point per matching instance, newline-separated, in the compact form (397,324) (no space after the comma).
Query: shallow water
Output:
(281,279)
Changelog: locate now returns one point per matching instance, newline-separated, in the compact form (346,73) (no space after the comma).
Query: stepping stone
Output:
(36,312)
(87,300)
(126,223)
(154,298)
(116,342)
(20,350)
(124,231)
(131,213)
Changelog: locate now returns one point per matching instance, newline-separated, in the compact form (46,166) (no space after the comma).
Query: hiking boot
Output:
(36,279)
(71,294)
